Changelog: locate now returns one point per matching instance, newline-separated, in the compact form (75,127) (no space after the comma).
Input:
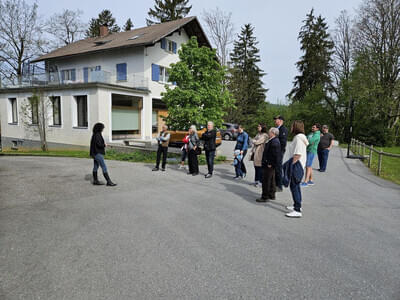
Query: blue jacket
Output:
(242,141)
(292,172)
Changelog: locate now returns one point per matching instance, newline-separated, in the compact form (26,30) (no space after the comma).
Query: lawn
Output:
(390,165)
(133,156)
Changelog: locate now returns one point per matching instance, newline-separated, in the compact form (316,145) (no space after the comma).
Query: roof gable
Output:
(134,38)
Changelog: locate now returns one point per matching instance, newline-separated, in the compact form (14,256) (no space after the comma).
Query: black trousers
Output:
(210,155)
(268,183)
(279,173)
(164,151)
(243,165)
(193,162)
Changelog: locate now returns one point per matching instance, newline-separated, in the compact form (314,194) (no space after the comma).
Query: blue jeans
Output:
(323,159)
(210,155)
(296,194)
(99,161)
(259,174)
(238,169)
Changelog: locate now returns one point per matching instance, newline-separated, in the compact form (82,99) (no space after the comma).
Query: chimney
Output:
(103,30)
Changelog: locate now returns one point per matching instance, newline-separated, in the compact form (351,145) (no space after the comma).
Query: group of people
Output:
(266,150)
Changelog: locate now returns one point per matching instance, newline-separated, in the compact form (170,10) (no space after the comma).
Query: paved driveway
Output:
(173,236)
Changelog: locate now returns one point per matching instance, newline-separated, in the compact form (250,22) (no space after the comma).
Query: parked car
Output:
(229,131)
(176,138)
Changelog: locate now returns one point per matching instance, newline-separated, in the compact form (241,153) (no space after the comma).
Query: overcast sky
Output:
(277,23)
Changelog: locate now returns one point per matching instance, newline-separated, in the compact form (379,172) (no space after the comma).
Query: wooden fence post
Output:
(370,156)
(379,163)
(363,149)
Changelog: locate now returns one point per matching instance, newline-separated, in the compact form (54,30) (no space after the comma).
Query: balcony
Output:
(80,76)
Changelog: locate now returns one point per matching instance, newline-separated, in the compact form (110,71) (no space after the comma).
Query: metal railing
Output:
(359,147)
(80,76)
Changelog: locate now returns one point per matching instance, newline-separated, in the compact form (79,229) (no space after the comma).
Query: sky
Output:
(277,24)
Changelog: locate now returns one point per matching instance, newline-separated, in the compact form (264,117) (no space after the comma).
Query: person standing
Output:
(193,146)
(184,150)
(270,160)
(257,152)
(296,163)
(242,144)
(97,151)
(313,141)
(163,141)
(237,163)
(283,134)
(209,137)
(324,146)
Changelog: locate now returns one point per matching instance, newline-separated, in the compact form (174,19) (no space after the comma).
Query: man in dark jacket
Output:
(272,157)
(209,137)
(283,134)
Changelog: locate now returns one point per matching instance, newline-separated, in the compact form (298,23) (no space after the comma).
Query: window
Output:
(121,72)
(14,111)
(168,45)
(68,75)
(56,109)
(82,111)
(160,73)
(34,111)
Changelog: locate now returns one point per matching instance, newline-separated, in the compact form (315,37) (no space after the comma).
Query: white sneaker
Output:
(291,208)
(294,214)
(180,167)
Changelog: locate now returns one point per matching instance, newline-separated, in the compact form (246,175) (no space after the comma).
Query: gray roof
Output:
(134,38)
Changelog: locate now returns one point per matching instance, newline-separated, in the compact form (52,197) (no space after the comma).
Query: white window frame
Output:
(11,119)
(68,74)
(75,116)
(52,111)
(163,76)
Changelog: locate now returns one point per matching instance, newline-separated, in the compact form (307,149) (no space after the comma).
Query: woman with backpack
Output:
(257,152)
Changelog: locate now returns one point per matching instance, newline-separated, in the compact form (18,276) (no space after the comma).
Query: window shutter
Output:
(85,74)
(62,76)
(121,71)
(155,72)
(163,43)
(73,75)
(174,47)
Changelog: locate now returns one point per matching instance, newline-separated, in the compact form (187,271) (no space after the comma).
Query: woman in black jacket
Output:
(209,137)
(97,151)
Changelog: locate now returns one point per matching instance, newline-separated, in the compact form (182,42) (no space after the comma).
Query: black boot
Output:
(109,182)
(96,180)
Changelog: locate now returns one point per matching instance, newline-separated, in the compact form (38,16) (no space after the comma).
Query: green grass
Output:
(133,156)
(390,165)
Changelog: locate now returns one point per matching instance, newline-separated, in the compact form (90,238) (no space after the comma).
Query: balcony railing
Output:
(80,76)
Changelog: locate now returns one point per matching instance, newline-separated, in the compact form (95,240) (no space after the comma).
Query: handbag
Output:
(198,150)
(252,156)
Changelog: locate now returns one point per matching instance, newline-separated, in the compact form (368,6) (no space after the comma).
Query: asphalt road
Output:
(172,236)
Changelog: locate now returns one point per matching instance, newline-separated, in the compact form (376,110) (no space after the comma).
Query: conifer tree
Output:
(128,25)
(315,65)
(168,10)
(105,18)
(245,81)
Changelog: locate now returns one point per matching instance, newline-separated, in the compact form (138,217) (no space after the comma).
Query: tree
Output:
(20,37)
(67,27)
(128,25)
(220,28)
(105,18)
(245,78)
(35,116)
(168,10)
(315,65)
(199,95)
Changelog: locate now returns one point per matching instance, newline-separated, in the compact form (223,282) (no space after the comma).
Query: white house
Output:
(116,79)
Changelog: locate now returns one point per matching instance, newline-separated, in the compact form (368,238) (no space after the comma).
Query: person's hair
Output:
(193,127)
(298,127)
(98,127)
(263,128)
(210,122)
(325,126)
(274,130)
(240,126)
(317,125)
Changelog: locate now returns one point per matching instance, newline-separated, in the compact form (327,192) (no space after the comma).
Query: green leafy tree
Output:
(199,95)
(168,10)
(315,65)
(105,18)
(245,79)
(128,25)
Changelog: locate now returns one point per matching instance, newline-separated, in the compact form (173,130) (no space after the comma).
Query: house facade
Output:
(116,79)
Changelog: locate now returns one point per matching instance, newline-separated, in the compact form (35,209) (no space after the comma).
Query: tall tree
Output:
(220,28)
(105,18)
(20,37)
(199,95)
(245,81)
(66,27)
(128,25)
(168,10)
(315,65)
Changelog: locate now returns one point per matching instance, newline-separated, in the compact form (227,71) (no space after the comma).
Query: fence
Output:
(360,148)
